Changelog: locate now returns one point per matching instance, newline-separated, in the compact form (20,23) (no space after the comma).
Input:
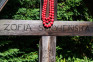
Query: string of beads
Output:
(48,22)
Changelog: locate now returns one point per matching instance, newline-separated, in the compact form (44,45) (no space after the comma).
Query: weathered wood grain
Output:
(2,3)
(60,28)
(47,48)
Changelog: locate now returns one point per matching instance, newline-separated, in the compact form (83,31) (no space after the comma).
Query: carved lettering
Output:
(13,27)
(87,28)
(28,27)
(6,28)
(40,28)
(19,26)
(54,28)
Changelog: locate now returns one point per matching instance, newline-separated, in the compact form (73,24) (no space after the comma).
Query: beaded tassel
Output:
(48,22)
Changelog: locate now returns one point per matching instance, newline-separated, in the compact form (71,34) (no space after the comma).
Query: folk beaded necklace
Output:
(48,22)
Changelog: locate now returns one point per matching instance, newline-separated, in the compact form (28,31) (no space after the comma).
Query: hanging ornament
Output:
(48,22)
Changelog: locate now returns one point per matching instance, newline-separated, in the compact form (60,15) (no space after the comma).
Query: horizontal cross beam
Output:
(35,27)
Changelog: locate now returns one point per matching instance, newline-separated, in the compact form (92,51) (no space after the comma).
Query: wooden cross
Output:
(47,49)
(2,3)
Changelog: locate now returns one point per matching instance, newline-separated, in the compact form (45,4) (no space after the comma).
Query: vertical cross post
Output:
(47,48)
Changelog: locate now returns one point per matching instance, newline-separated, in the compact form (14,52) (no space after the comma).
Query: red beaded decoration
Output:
(48,22)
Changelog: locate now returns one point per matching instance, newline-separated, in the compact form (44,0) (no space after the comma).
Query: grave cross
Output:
(2,3)
(47,49)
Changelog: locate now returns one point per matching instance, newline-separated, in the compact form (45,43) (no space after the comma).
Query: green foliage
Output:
(27,14)
(30,3)
(19,49)
(85,59)
(11,55)
(24,49)
(21,9)
(9,52)
(73,10)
